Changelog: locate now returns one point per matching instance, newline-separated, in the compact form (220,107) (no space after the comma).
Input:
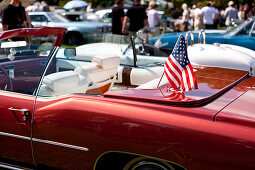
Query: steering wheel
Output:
(5,82)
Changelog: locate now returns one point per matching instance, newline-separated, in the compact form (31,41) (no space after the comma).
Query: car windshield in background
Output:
(57,18)
(242,29)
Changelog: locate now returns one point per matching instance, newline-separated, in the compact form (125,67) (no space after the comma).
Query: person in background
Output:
(89,7)
(45,6)
(185,18)
(222,19)
(137,18)
(117,17)
(216,16)
(154,20)
(198,20)
(151,3)
(13,16)
(36,7)
(230,13)
(208,14)
(240,13)
(252,11)
(191,15)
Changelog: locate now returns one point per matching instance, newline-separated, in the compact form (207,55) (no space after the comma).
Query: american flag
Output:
(178,69)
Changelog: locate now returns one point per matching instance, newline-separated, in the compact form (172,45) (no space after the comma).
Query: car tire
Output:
(142,163)
(73,38)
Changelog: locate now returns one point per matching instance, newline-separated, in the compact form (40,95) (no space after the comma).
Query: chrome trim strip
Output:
(60,144)
(9,167)
(45,141)
(15,136)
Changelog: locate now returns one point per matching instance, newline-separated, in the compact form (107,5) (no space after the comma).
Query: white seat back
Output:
(100,73)
(61,83)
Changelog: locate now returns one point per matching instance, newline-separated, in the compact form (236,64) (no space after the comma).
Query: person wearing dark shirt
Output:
(137,18)
(117,17)
(45,6)
(13,16)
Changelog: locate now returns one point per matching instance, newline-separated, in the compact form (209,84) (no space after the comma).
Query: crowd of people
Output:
(197,17)
(138,16)
(210,17)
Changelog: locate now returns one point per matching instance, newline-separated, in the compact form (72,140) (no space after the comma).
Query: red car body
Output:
(213,129)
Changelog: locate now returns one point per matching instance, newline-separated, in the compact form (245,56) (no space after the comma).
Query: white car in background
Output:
(144,62)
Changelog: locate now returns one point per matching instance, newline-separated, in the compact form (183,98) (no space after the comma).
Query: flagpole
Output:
(160,79)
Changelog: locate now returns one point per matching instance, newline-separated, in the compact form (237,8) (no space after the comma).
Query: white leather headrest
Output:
(106,61)
(61,81)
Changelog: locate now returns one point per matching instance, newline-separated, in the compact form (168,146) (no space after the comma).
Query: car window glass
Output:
(245,29)
(118,45)
(252,31)
(57,18)
(147,54)
(22,61)
(38,18)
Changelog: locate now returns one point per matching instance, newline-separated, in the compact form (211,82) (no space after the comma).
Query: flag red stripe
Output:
(187,79)
(170,81)
(193,76)
(172,72)
(174,65)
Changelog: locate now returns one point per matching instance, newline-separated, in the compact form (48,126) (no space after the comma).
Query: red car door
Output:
(19,79)
(15,128)
(20,72)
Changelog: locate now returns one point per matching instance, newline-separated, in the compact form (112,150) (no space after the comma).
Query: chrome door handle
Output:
(23,111)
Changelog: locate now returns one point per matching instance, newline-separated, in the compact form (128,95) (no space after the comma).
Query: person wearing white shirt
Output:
(185,17)
(198,22)
(230,13)
(208,13)
(154,19)
(216,16)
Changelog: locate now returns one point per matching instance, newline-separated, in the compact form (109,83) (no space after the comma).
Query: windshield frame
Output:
(239,28)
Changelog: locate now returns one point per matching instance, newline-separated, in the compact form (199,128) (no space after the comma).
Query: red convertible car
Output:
(60,112)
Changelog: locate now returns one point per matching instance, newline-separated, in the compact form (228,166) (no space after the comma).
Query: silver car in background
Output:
(77,32)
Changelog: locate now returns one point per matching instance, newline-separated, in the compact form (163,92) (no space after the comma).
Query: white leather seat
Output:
(100,73)
(61,83)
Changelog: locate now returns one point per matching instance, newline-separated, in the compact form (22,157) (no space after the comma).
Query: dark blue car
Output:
(243,35)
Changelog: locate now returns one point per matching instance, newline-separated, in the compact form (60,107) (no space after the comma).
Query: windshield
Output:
(244,27)
(120,45)
(22,61)
(57,18)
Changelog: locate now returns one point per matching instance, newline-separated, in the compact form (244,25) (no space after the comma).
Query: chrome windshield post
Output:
(187,35)
(201,34)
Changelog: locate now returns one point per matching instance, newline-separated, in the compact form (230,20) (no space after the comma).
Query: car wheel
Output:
(73,38)
(5,82)
(141,163)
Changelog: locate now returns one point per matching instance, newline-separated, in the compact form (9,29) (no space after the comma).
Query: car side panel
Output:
(244,41)
(187,136)
(15,145)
